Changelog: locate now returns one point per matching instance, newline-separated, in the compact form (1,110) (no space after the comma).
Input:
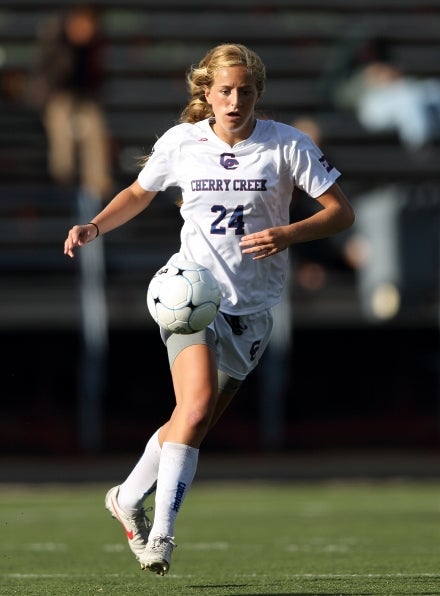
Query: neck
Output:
(232,138)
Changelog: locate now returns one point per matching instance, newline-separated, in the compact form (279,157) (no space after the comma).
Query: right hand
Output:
(79,235)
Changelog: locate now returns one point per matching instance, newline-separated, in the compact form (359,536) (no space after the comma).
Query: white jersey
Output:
(229,192)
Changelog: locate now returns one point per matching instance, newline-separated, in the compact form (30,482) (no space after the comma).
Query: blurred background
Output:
(355,359)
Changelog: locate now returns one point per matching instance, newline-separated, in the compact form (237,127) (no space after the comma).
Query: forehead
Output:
(234,76)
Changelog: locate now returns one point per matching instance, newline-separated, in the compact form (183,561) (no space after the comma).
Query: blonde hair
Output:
(201,77)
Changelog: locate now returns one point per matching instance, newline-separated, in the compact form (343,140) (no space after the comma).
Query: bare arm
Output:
(124,206)
(336,216)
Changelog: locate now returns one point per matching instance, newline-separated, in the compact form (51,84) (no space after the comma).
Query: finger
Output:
(68,251)
(253,245)
(249,241)
(252,250)
(262,253)
(69,246)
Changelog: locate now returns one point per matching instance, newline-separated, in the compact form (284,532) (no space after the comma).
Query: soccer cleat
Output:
(137,526)
(157,554)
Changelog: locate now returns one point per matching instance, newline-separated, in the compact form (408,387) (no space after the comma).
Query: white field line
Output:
(252,575)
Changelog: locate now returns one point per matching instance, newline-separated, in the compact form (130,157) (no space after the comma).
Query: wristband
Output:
(96,226)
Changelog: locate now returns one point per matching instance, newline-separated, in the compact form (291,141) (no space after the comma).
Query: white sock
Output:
(141,481)
(178,464)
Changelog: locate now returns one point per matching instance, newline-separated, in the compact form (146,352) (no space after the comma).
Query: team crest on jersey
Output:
(228,161)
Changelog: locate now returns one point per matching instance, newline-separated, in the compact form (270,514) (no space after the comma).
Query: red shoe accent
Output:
(129,533)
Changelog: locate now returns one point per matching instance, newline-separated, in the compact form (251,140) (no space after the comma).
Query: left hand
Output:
(265,243)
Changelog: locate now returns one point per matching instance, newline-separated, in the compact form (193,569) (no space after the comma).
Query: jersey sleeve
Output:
(160,171)
(314,174)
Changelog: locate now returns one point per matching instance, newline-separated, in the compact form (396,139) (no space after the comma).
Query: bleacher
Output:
(150,45)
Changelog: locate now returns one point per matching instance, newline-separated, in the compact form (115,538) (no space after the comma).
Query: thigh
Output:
(193,365)
(194,375)
(176,342)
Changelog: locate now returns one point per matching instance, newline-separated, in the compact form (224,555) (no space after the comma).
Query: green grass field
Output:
(247,538)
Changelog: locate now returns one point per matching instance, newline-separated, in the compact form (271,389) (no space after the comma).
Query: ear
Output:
(208,95)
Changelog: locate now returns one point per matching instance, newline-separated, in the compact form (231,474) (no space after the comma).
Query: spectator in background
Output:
(387,100)
(362,77)
(66,87)
(314,261)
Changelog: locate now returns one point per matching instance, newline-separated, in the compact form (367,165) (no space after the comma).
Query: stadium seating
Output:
(150,45)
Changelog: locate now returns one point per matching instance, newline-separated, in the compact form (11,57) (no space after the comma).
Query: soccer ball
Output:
(183,297)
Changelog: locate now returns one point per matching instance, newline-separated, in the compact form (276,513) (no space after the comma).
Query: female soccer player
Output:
(237,174)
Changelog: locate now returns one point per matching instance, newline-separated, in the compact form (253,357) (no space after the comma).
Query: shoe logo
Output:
(129,533)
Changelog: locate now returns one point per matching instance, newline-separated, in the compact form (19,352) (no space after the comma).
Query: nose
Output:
(235,98)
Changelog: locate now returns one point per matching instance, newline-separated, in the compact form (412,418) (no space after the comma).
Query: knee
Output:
(198,419)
